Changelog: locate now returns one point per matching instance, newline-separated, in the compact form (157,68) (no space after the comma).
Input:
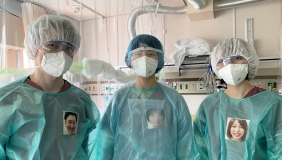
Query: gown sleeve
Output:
(104,148)
(199,125)
(93,116)
(20,128)
(272,126)
(185,145)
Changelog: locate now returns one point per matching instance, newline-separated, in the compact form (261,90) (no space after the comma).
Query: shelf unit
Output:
(193,63)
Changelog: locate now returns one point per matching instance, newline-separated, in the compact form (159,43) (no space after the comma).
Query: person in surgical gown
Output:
(32,109)
(236,62)
(125,132)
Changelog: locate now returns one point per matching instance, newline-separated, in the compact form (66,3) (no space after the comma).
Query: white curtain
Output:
(30,12)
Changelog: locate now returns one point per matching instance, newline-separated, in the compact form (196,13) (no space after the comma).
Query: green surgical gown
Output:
(261,112)
(32,124)
(127,131)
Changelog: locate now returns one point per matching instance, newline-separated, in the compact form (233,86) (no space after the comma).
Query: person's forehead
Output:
(71,116)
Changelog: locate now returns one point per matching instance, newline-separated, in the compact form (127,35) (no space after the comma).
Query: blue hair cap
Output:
(149,41)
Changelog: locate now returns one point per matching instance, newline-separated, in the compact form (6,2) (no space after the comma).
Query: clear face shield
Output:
(57,46)
(230,60)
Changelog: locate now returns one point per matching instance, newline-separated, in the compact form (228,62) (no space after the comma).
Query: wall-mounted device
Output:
(249,30)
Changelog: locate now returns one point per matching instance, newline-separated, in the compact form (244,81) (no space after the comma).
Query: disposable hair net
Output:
(149,41)
(233,47)
(47,28)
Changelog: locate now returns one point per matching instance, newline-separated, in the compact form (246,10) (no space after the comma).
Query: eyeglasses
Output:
(56,46)
(231,60)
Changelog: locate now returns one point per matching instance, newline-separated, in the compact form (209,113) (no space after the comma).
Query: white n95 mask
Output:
(233,74)
(145,66)
(56,64)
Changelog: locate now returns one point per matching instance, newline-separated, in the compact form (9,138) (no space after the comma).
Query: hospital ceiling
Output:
(103,8)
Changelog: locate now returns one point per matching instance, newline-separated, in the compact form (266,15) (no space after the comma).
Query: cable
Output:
(208,78)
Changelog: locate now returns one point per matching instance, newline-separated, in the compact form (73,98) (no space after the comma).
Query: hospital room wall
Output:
(107,39)
(102,41)
(110,40)
(12,35)
(14,31)
(267,23)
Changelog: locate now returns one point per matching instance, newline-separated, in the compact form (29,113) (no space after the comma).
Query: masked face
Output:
(145,66)
(56,64)
(233,74)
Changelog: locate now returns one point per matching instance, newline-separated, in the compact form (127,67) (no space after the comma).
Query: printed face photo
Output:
(155,118)
(70,123)
(237,129)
